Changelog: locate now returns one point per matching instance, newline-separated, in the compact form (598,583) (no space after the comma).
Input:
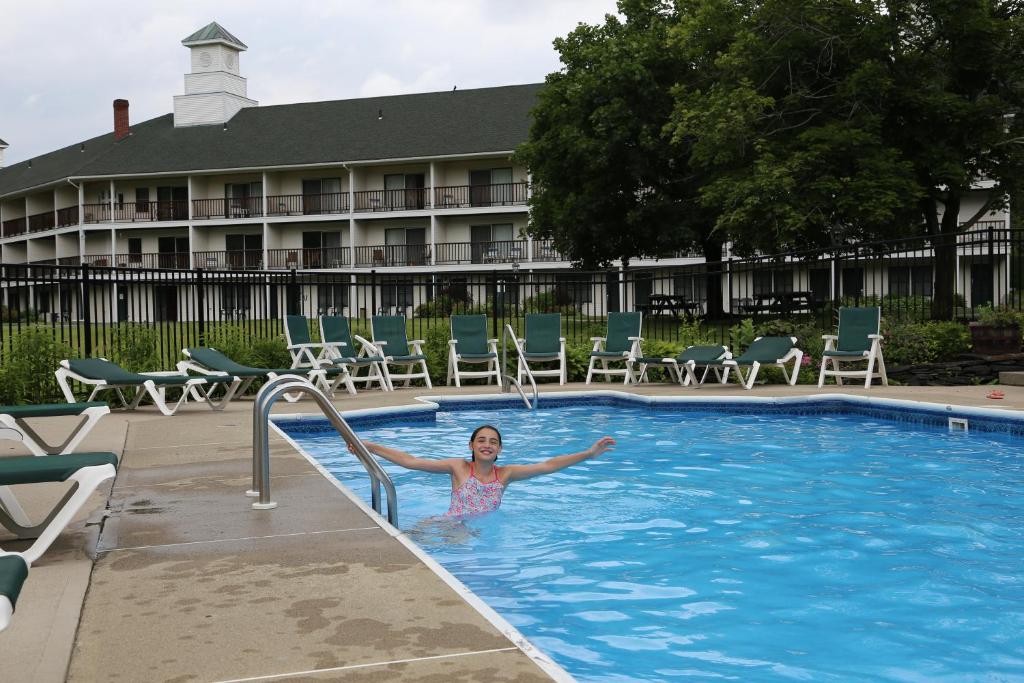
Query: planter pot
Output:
(990,340)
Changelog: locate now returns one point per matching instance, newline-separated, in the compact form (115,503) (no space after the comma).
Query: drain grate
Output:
(957,424)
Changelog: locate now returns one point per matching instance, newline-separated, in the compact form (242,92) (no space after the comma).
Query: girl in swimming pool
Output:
(478,483)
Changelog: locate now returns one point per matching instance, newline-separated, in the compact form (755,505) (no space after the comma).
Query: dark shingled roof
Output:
(376,128)
(213,33)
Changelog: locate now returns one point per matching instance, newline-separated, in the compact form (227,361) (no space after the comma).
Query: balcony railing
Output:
(15,226)
(544,250)
(509,251)
(67,216)
(393,255)
(302,259)
(69,261)
(136,212)
(41,221)
(173,259)
(460,196)
(391,200)
(235,259)
(307,204)
(237,207)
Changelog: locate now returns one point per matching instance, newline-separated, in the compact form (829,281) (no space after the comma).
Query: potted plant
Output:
(997,330)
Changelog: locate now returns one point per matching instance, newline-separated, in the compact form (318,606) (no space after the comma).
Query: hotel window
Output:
(490,187)
(322,195)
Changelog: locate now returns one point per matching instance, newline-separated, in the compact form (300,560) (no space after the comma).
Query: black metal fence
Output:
(86,306)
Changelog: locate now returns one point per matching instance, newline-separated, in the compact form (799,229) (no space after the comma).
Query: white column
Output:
(113,246)
(433,239)
(81,203)
(430,185)
(111,200)
(264,185)
(189,181)
(266,226)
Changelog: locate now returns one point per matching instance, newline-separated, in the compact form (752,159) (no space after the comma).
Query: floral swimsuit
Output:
(475,497)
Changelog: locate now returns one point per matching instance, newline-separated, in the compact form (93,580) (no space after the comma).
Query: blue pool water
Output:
(740,547)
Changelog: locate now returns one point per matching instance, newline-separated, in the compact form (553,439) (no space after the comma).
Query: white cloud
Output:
(298,52)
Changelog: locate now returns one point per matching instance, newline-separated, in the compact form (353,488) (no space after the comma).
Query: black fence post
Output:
(494,302)
(292,306)
(86,311)
(201,306)
(373,294)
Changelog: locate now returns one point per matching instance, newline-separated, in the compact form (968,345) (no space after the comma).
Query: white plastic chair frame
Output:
(873,356)
(794,354)
(16,429)
(416,346)
(333,354)
(559,372)
(454,359)
(628,357)
(157,393)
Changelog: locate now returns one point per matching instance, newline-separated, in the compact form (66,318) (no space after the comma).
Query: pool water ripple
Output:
(735,546)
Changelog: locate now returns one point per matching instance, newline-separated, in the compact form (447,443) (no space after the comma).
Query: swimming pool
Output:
(733,542)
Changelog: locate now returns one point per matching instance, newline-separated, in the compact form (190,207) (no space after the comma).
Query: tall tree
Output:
(955,111)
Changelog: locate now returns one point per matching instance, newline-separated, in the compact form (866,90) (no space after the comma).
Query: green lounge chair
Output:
(859,340)
(683,367)
(390,342)
(763,351)
(469,344)
(543,343)
(621,345)
(337,337)
(85,472)
(304,351)
(209,361)
(103,375)
(13,424)
(13,572)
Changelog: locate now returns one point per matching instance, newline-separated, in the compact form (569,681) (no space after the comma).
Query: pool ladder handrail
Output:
(268,394)
(506,379)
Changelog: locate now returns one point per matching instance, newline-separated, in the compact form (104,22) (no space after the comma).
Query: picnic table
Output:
(778,303)
(670,304)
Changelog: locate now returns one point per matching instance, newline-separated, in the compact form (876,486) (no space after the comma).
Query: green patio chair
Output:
(469,344)
(103,375)
(543,343)
(763,351)
(390,342)
(336,336)
(13,572)
(84,471)
(859,340)
(621,345)
(682,368)
(13,424)
(208,361)
(304,351)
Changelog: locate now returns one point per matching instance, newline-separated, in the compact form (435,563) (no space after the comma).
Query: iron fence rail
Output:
(87,304)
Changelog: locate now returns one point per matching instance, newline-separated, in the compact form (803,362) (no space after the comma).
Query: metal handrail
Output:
(507,379)
(265,399)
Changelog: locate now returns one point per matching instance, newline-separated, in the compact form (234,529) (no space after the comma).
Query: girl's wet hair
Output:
(477,431)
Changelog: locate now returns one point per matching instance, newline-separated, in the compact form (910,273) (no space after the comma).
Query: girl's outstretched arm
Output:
(517,472)
(409,461)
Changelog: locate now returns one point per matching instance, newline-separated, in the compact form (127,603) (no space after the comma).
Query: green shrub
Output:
(1000,316)
(134,347)
(577,360)
(656,348)
(435,348)
(914,343)
(741,336)
(26,375)
(907,307)
(691,333)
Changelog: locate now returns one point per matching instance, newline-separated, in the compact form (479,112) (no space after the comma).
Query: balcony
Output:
(41,221)
(177,260)
(391,200)
(508,251)
(136,212)
(238,207)
(307,204)
(393,255)
(67,216)
(464,196)
(303,259)
(544,251)
(15,226)
(235,259)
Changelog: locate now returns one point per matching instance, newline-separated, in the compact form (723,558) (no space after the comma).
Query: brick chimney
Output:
(121,129)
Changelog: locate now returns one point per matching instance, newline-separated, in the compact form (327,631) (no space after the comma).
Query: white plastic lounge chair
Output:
(391,343)
(543,342)
(764,351)
(85,472)
(13,572)
(683,367)
(304,351)
(469,344)
(103,375)
(621,345)
(209,361)
(13,425)
(337,337)
(859,340)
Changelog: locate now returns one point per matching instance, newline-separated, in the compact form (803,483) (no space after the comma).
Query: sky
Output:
(62,63)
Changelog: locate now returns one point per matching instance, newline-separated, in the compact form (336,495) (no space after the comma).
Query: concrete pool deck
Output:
(176,578)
